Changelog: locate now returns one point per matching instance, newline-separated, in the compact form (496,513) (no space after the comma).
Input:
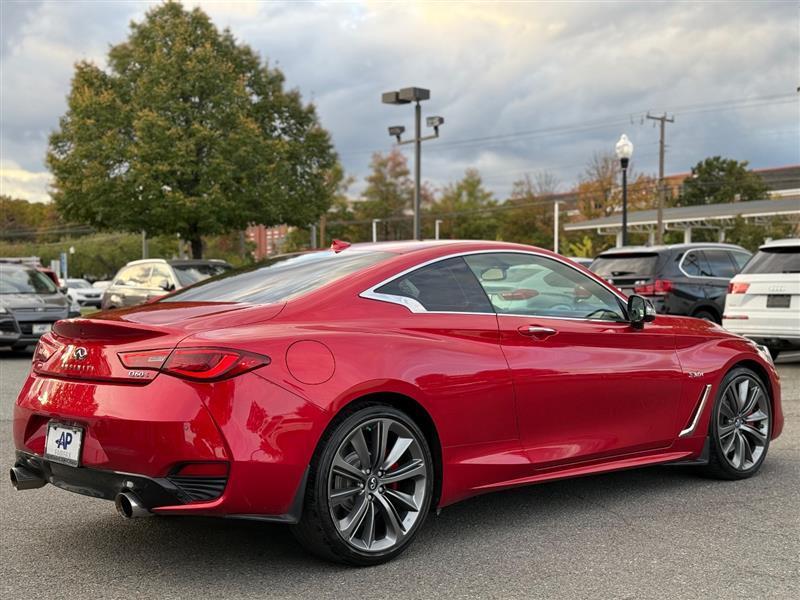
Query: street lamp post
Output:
(624,150)
(406,96)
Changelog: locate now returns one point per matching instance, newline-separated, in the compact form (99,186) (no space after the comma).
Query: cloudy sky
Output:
(524,87)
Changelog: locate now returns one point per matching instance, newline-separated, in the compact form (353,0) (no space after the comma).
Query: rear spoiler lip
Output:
(93,329)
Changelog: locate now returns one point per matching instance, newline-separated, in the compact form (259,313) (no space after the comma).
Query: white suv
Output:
(763,301)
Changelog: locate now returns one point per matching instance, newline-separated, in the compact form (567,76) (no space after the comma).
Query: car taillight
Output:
(660,287)
(44,349)
(738,287)
(198,364)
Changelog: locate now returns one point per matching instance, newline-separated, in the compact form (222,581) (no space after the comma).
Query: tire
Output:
(739,434)
(706,315)
(359,518)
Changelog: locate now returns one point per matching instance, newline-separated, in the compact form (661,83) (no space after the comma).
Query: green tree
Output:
(388,196)
(717,180)
(187,132)
(462,209)
(21,219)
(527,217)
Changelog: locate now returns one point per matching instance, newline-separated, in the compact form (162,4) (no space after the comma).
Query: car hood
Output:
(34,302)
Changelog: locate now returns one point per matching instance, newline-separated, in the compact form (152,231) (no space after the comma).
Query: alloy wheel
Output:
(377,484)
(743,422)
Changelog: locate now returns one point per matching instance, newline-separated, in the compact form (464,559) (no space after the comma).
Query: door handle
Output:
(537,332)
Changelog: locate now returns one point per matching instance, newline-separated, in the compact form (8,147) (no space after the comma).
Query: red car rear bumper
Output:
(258,436)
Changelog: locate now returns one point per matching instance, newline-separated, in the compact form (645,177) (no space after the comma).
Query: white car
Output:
(82,293)
(763,301)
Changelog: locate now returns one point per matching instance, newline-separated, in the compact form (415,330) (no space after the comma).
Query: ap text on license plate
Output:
(63,443)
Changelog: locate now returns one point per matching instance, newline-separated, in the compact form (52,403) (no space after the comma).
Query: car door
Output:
(588,384)
(452,352)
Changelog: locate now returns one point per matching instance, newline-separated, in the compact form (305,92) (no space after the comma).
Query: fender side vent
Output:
(692,424)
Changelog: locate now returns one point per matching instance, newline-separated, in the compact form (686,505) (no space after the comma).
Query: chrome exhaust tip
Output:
(130,507)
(23,479)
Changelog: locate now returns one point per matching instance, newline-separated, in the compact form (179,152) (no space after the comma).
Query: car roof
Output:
(669,247)
(446,246)
(178,261)
(784,243)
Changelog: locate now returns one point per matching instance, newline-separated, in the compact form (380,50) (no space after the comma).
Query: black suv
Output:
(680,279)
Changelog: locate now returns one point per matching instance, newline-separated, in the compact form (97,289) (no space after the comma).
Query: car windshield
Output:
(278,279)
(192,273)
(25,281)
(619,265)
(78,284)
(779,259)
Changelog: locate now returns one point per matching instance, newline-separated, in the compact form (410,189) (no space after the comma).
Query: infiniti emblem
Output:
(80,353)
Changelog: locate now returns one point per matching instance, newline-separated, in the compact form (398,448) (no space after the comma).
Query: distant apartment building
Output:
(268,240)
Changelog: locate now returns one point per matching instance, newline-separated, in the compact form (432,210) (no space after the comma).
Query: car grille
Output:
(200,488)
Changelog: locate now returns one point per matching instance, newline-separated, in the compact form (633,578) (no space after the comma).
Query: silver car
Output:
(33,300)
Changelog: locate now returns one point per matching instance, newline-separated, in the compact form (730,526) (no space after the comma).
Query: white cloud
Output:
(21,183)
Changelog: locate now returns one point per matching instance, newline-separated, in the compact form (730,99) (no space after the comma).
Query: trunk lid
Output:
(88,348)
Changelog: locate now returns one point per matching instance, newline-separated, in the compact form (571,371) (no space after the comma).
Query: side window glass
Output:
(695,265)
(135,276)
(720,263)
(740,258)
(160,278)
(526,284)
(447,285)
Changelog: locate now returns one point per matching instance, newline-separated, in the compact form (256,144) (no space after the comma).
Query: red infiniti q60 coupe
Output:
(351,391)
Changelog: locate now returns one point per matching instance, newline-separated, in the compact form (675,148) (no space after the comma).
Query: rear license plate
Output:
(63,443)
(779,301)
(41,327)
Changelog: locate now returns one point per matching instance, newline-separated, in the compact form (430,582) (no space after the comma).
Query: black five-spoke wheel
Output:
(371,488)
(740,426)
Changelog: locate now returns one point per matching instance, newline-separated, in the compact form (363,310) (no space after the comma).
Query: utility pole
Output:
(663,120)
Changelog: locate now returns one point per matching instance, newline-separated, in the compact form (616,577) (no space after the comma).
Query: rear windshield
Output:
(620,265)
(775,260)
(278,279)
(189,274)
(25,281)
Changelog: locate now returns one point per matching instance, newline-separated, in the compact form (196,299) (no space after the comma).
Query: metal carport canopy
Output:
(703,216)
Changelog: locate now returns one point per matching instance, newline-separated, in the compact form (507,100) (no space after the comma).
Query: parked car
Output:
(9,329)
(33,300)
(101,285)
(349,392)
(679,279)
(582,260)
(763,301)
(82,292)
(143,280)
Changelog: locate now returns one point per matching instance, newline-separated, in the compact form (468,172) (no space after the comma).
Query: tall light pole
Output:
(406,96)
(624,150)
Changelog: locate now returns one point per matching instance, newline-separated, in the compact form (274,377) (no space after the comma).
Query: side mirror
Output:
(640,311)
(493,274)
(166,285)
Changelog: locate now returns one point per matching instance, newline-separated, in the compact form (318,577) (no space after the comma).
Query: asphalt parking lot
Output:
(651,533)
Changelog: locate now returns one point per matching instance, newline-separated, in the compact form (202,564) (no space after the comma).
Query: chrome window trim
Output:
(681,269)
(701,406)
(416,307)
